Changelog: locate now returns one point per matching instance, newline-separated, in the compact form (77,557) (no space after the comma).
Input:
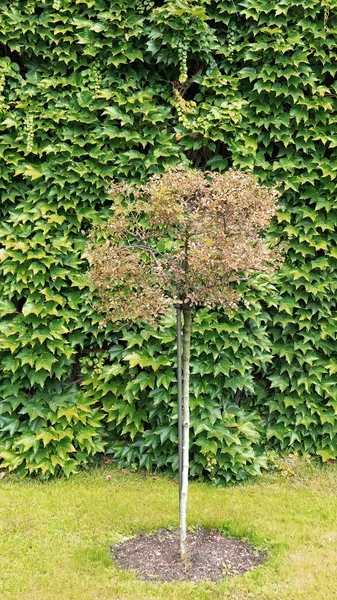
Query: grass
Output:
(55,537)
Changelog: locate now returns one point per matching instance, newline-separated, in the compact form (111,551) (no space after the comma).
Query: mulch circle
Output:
(211,556)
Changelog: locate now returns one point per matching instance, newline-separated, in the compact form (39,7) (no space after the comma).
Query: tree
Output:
(183,240)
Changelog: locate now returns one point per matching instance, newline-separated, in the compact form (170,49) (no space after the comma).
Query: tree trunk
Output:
(180,400)
(186,427)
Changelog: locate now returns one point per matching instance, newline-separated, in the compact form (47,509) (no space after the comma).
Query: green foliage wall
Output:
(98,89)
(288,73)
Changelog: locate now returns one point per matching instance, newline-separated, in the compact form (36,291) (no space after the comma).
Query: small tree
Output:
(182,240)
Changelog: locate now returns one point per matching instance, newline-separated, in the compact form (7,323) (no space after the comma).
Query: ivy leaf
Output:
(45,361)
(29,170)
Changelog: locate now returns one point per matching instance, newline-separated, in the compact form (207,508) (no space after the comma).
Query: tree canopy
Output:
(185,237)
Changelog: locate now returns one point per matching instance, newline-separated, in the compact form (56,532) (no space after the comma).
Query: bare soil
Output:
(211,556)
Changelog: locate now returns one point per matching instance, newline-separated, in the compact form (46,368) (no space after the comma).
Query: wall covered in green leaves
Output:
(96,89)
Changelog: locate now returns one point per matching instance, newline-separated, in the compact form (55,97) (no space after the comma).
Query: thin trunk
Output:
(186,427)
(180,402)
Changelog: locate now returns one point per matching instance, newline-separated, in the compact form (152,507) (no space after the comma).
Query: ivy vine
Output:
(95,90)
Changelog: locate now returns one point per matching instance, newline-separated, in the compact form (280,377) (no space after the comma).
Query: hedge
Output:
(91,90)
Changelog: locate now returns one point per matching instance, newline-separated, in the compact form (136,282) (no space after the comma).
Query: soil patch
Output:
(211,556)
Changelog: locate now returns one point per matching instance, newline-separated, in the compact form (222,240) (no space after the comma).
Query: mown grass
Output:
(55,538)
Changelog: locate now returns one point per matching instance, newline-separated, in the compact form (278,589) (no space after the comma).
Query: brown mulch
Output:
(211,556)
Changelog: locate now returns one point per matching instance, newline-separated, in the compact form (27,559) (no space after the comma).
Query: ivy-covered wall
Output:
(96,89)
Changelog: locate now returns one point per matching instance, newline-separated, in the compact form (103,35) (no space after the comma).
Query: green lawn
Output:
(55,537)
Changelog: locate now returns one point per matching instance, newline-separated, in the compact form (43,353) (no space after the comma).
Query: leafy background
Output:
(91,90)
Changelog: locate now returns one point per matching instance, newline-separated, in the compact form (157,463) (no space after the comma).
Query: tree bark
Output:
(186,427)
(180,400)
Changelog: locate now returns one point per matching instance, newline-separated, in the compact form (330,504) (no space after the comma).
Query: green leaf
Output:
(45,361)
